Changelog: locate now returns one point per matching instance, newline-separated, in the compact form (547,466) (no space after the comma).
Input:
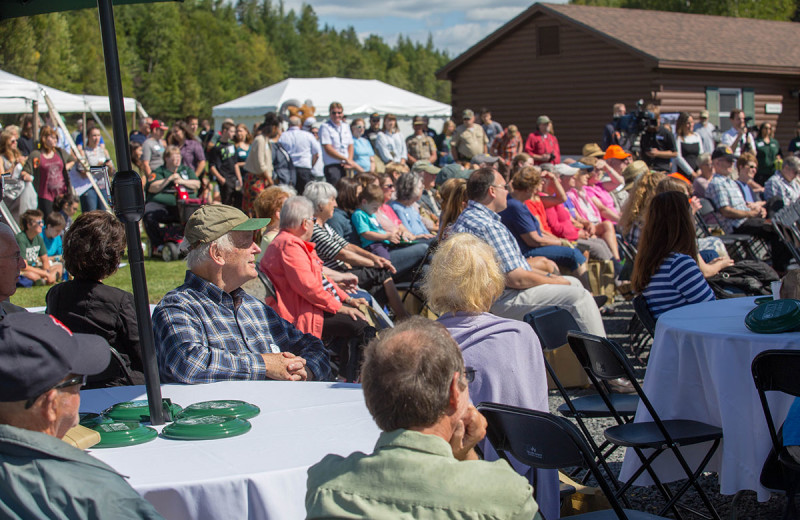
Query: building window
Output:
(729,98)
(548,41)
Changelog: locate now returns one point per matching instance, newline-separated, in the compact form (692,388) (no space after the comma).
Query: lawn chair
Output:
(602,359)
(546,441)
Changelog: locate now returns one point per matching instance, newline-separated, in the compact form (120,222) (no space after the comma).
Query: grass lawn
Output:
(162,277)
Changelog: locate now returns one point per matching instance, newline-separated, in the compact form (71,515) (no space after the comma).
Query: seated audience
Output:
(54,228)
(631,221)
(429,204)
(161,189)
(385,215)
(700,182)
(348,191)
(784,184)
(93,247)
(528,232)
(373,237)
(527,288)
(11,263)
(424,464)
(746,166)
(454,200)
(580,199)
(463,281)
(42,368)
(408,190)
(37,268)
(268,205)
(665,270)
(600,190)
(209,329)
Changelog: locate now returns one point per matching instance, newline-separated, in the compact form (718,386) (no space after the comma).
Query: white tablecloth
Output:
(261,474)
(699,369)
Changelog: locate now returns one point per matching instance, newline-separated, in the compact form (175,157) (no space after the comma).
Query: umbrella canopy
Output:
(16,8)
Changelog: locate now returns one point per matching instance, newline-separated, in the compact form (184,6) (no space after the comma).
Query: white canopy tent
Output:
(359,98)
(17,95)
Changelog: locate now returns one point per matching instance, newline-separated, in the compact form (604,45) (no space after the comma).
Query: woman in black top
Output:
(93,247)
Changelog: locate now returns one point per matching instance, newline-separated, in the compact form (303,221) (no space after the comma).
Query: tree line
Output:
(184,58)
(780,10)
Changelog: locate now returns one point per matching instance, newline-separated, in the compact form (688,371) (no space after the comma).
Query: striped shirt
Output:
(677,282)
(329,244)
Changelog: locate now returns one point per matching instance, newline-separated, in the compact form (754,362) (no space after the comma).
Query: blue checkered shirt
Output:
(203,334)
(723,191)
(778,186)
(485,224)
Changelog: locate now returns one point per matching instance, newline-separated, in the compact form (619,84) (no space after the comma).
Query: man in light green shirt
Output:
(424,465)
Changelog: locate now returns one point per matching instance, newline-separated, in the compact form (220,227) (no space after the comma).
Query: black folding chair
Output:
(546,441)
(551,325)
(602,360)
(738,245)
(641,335)
(414,286)
(776,371)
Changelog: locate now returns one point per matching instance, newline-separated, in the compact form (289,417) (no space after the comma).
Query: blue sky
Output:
(455,25)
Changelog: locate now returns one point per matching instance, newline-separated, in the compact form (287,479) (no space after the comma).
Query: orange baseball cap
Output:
(615,151)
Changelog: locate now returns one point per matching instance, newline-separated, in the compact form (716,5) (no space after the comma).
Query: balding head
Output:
(407,374)
(10,262)
(294,121)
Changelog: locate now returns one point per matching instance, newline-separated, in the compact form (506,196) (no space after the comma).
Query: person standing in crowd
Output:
(443,142)
(224,169)
(371,133)
(767,152)
(19,194)
(43,366)
(794,144)
(304,150)
(38,268)
(162,206)
(390,145)
(363,154)
(283,170)
(665,270)
(690,146)
(153,147)
(542,145)
(259,164)
(140,135)
(241,141)
(49,166)
(337,144)
(95,156)
(705,129)
(507,145)
(658,143)
(424,464)
(26,137)
(492,129)
(469,139)
(79,139)
(611,133)
(737,137)
(93,248)
(420,145)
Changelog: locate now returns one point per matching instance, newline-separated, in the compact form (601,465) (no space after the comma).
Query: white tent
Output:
(359,98)
(17,95)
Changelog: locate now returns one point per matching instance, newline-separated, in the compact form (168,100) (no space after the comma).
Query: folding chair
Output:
(551,325)
(785,224)
(546,441)
(738,245)
(602,359)
(643,334)
(413,287)
(776,371)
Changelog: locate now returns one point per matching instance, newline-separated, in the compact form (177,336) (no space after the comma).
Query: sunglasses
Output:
(77,380)
(334,112)
(388,187)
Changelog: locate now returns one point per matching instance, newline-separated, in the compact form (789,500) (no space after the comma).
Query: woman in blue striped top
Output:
(665,270)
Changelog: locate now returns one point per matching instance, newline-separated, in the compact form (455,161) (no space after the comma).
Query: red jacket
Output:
(541,144)
(296,272)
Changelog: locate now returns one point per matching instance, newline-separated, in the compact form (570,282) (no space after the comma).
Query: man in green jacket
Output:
(424,464)
(42,367)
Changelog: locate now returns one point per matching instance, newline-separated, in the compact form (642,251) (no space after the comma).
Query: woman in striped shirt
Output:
(666,270)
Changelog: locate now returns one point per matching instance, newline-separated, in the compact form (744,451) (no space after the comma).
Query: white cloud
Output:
(500,14)
(458,38)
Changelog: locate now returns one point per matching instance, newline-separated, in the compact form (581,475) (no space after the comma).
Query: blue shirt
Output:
(53,245)
(677,282)
(362,151)
(410,217)
(485,224)
(203,334)
(300,145)
(363,222)
(519,220)
(747,193)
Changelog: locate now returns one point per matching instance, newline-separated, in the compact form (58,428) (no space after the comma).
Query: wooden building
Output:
(573,62)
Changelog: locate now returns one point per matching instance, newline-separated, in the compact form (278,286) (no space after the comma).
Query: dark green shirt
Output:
(31,250)
(167,195)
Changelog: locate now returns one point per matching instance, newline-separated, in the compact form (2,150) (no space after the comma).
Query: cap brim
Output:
(252,224)
(95,354)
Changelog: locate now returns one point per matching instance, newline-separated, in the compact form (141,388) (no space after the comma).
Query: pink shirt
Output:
(603,196)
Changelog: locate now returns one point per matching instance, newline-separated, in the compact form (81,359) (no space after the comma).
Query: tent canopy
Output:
(357,96)
(17,93)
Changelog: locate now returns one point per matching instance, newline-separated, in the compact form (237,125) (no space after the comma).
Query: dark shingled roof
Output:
(674,40)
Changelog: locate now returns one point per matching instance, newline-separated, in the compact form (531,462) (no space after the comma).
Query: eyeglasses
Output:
(38,222)
(388,187)
(334,112)
(469,374)
(77,380)
(312,219)
(504,186)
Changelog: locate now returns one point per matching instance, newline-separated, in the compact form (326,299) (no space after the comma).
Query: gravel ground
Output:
(648,498)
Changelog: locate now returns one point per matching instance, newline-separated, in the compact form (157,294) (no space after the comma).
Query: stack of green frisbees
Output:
(774,317)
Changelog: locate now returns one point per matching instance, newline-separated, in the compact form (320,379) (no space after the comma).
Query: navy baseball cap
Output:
(37,352)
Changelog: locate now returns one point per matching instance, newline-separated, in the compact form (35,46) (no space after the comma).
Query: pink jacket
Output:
(296,272)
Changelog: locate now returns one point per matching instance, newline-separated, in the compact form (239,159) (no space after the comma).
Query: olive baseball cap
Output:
(426,167)
(211,222)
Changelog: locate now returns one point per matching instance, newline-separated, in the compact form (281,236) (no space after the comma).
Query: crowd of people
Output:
(333,217)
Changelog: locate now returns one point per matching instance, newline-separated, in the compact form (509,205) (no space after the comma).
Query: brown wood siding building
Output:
(577,78)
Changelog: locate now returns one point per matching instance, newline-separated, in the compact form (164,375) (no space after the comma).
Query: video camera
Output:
(631,126)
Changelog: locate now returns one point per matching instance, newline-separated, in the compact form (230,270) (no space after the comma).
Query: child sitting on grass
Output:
(38,268)
(52,236)
(373,237)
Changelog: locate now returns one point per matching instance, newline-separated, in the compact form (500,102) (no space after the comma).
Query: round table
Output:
(699,369)
(261,474)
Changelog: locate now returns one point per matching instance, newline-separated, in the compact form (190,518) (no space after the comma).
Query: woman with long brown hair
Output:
(690,146)
(631,220)
(454,200)
(665,270)
(19,194)
(49,166)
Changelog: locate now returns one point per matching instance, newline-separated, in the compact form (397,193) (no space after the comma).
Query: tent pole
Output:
(35,136)
(129,207)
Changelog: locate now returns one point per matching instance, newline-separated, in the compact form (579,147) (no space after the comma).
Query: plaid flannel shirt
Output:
(778,186)
(485,224)
(723,191)
(203,334)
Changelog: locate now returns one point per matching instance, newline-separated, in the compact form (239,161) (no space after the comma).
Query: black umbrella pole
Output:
(129,208)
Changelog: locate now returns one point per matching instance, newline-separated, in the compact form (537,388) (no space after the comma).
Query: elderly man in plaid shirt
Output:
(209,329)
(527,288)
